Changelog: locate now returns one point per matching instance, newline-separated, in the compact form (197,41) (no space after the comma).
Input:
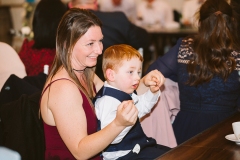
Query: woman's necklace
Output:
(78,70)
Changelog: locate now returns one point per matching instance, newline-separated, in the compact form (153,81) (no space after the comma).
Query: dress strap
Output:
(53,82)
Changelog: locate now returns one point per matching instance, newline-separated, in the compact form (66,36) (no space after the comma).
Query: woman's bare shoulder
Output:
(65,88)
(61,95)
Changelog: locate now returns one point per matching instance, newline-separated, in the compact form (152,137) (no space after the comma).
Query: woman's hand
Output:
(154,80)
(127,114)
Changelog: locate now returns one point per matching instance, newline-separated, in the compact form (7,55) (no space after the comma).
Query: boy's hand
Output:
(154,88)
(154,80)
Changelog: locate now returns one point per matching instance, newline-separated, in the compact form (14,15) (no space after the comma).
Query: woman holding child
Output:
(70,123)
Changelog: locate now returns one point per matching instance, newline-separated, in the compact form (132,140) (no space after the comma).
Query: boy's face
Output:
(127,76)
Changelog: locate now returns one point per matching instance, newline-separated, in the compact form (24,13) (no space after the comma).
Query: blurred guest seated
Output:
(176,5)
(156,13)
(41,50)
(190,7)
(126,6)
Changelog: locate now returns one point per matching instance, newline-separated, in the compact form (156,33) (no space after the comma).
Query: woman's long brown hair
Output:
(73,25)
(213,44)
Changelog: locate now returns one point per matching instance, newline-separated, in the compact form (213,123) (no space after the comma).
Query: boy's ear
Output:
(110,74)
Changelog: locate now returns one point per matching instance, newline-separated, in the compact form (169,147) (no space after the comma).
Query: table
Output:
(176,31)
(162,37)
(210,144)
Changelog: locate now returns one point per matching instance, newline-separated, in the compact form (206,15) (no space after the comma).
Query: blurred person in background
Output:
(189,9)
(126,6)
(177,8)
(156,13)
(41,49)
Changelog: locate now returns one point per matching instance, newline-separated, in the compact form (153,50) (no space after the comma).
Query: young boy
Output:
(122,65)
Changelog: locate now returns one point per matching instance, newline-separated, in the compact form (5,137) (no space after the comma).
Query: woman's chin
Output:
(92,65)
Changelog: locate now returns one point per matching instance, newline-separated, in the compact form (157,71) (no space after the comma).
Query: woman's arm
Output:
(65,104)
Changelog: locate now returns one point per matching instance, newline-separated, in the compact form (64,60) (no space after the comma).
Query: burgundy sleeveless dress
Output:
(55,147)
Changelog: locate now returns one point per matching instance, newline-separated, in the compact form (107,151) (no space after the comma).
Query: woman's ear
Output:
(110,74)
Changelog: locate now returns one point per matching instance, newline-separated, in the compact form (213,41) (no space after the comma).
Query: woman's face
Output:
(87,49)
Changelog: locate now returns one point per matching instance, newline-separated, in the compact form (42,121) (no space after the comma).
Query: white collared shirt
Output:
(188,11)
(128,7)
(160,13)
